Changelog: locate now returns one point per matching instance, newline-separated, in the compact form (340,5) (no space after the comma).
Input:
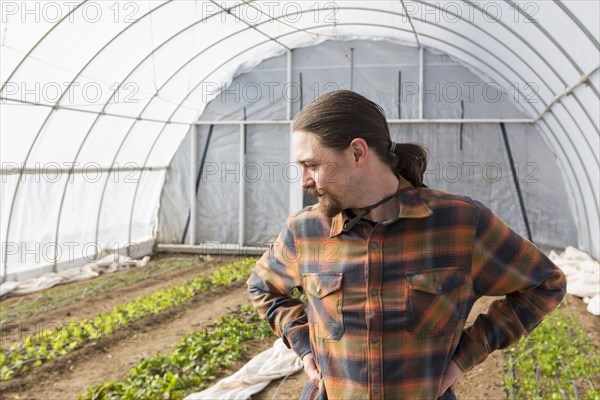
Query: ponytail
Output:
(411,162)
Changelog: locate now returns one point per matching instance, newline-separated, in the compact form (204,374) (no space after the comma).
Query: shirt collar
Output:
(411,206)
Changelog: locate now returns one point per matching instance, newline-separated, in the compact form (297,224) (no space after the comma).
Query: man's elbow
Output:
(558,285)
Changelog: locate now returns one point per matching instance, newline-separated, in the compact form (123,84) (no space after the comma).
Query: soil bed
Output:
(112,357)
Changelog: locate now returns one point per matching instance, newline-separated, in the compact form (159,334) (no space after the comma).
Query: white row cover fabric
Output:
(107,264)
(115,85)
(273,363)
(583,275)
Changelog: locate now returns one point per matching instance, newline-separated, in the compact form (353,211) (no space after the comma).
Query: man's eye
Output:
(312,166)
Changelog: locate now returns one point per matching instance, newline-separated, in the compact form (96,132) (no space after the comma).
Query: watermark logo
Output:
(70,11)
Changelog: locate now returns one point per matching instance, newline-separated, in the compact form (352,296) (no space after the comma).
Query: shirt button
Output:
(376,389)
(438,287)
(374,245)
(374,339)
(318,289)
(374,292)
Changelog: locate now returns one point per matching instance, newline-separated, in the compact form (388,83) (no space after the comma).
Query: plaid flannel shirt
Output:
(387,304)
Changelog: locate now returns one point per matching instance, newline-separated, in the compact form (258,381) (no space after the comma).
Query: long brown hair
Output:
(339,117)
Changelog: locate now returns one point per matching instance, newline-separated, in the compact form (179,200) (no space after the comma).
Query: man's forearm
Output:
(285,314)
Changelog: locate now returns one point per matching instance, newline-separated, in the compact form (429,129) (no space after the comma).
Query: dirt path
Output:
(110,359)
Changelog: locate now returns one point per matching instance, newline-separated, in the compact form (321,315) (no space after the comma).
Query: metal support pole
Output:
(515,176)
(289,86)
(301,92)
(295,187)
(421,83)
(193,169)
(352,68)
(4,267)
(242,202)
(390,121)
(294,176)
(399,94)
(215,248)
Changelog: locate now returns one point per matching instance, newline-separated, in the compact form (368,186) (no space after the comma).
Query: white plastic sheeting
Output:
(583,276)
(113,86)
(105,265)
(276,362)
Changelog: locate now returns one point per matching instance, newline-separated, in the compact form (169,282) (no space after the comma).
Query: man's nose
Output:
(308,180)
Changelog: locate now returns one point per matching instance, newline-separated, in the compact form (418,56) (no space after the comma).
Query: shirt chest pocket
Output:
(324,296)
(435,300)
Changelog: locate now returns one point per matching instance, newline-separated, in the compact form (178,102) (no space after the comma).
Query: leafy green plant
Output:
(556,361)
(196,362)
(50,344)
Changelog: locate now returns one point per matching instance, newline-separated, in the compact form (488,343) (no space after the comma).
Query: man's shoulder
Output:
(435,198)
(307,212)
(309,217)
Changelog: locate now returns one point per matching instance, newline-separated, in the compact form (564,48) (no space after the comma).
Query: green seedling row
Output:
(194,365)
(556,361)
(52,343)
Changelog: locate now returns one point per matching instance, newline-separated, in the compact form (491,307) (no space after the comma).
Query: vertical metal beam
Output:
(295,188)
(515,176)
(193,169)
(421,83)
(300,88)
(295,181)
(352,68)
(289,86)
(242,202)
(399,94)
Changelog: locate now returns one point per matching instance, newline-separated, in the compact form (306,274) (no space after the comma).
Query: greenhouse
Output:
(148,163)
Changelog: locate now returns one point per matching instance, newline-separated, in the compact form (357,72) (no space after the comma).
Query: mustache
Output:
(316,192)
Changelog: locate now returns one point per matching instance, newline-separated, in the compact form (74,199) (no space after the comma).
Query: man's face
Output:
(326,173)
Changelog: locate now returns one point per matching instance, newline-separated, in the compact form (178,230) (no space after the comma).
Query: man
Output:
(391,268)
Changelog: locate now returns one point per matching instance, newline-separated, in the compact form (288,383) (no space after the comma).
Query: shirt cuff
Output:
(298,340)
(469,352)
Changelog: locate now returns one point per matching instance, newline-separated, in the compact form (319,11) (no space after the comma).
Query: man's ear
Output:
(360,151)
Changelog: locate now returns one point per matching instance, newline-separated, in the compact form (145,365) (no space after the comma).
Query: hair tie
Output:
(393,148)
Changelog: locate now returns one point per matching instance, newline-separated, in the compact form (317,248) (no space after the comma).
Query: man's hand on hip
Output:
(310,367)
(450,376)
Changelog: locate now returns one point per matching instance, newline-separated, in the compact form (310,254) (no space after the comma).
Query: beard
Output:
(328,205)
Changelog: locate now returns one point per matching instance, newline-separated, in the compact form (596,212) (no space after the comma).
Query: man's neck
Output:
(376,190)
